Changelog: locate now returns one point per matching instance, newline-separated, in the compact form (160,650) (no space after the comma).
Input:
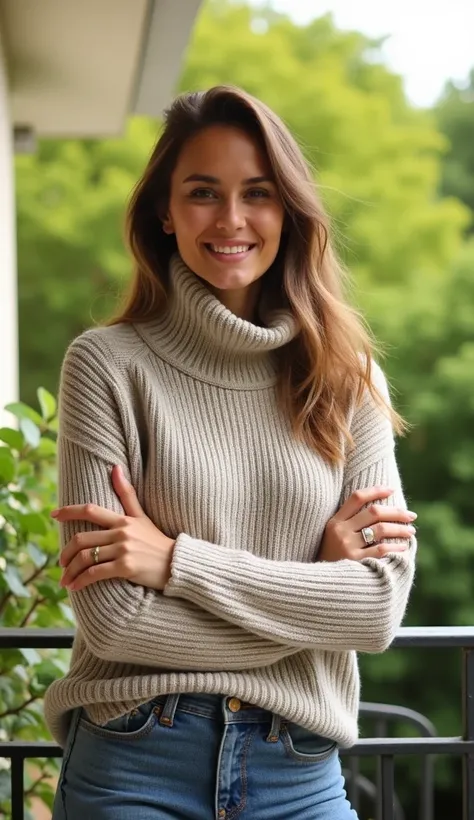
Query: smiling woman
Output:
(232,519)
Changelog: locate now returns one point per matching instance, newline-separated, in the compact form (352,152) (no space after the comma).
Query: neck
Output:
(242,302)
(206,338)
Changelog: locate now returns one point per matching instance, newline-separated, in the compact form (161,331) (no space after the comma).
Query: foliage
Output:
(455,115)
(70,205)
(377,159)
(29,590)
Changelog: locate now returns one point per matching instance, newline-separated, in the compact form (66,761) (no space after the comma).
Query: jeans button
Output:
(222,813)
(234,704)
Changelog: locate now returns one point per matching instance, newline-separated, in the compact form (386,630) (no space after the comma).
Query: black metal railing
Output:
(384,748)
(384,714)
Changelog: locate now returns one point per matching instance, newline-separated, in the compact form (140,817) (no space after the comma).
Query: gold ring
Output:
(95,554)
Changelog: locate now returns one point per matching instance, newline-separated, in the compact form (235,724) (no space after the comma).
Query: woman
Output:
(233,524)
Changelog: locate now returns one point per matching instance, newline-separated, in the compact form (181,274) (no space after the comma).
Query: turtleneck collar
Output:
(198,335)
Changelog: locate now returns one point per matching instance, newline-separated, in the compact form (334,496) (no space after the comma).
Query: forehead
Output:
(222,151)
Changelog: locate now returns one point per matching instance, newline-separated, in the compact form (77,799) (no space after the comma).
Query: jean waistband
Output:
(217,707)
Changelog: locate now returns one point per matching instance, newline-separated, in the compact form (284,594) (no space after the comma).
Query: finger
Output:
(385,530)
(98,572)
(126,493)
(84,561)
(84,541)
(375,513)
(386,549)
(89,512)
(359,499)
(381,550)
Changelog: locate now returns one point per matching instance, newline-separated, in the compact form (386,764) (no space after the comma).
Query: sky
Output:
(430,41)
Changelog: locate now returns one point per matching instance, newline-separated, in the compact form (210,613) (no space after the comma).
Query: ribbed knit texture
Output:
(187,405)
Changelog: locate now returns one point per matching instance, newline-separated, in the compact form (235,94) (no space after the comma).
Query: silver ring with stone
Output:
(368,535)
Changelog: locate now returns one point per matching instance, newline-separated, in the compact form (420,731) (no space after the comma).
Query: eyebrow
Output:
(215,181)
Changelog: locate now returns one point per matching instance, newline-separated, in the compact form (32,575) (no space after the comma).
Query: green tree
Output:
(376,159)
(455,115)
(71,199)
(429,332)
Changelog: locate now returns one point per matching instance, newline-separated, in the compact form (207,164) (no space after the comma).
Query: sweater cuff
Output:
(192,561)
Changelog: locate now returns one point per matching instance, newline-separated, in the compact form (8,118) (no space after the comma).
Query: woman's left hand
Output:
(128,546)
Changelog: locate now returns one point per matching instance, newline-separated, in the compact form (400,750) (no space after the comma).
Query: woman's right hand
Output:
(343,534)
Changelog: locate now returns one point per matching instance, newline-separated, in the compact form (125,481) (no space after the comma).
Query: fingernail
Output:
(412,515)
(54,513)
(412,530)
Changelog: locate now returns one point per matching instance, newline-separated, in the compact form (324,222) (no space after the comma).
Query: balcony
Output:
(385,749)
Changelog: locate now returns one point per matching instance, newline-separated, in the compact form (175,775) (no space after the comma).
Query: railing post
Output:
(18,787)
(387,780)
(468,732)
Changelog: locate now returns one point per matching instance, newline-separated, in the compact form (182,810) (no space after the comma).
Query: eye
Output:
(202,193)
(258,193)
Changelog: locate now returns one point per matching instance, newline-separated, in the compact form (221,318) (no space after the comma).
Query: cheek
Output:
(190,222)
(270,226)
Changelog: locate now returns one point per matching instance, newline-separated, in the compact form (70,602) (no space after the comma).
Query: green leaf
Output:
(47,672)
(30,431)
(22,498)
(34,523)
(54,425)
(10,658)
(22,411)
(31,656)
(5,784)
(47,403)
(37,556)
(12,437)
(14,582)
(7,466)
(46,447)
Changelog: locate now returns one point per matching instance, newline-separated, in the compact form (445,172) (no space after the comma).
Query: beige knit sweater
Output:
(186,403)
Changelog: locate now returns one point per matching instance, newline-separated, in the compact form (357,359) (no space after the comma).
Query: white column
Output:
(8,274)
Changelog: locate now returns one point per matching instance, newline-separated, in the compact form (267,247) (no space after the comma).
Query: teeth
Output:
(233,249)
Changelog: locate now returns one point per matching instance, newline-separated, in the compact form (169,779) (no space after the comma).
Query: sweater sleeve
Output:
(342,605)
(121,621)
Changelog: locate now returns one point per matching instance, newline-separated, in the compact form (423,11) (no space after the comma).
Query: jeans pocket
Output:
(304,746)
(130,726)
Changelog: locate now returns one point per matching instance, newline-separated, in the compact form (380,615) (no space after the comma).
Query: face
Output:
(225,209)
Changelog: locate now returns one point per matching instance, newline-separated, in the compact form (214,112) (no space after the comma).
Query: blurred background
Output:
(381,97)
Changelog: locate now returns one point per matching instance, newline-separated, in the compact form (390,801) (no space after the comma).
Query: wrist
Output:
(171,545)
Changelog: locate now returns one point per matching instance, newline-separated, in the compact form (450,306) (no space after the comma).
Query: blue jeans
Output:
(198,757)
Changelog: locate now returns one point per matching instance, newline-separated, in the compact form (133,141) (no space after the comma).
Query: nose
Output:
(231,216)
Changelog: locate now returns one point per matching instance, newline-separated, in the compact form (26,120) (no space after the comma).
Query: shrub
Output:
(30,594)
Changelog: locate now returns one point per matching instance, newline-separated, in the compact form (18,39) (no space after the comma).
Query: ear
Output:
(167,224)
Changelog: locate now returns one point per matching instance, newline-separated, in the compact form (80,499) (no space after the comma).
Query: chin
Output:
(231,279)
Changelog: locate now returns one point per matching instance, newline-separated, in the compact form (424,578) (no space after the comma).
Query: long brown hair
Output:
(328,365)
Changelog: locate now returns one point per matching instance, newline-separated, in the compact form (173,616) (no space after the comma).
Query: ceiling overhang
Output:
(77,69)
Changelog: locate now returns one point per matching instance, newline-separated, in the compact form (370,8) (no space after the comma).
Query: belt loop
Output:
(275,729)
(169,709)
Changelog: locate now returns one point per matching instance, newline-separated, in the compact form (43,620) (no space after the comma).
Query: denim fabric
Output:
(198,757)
